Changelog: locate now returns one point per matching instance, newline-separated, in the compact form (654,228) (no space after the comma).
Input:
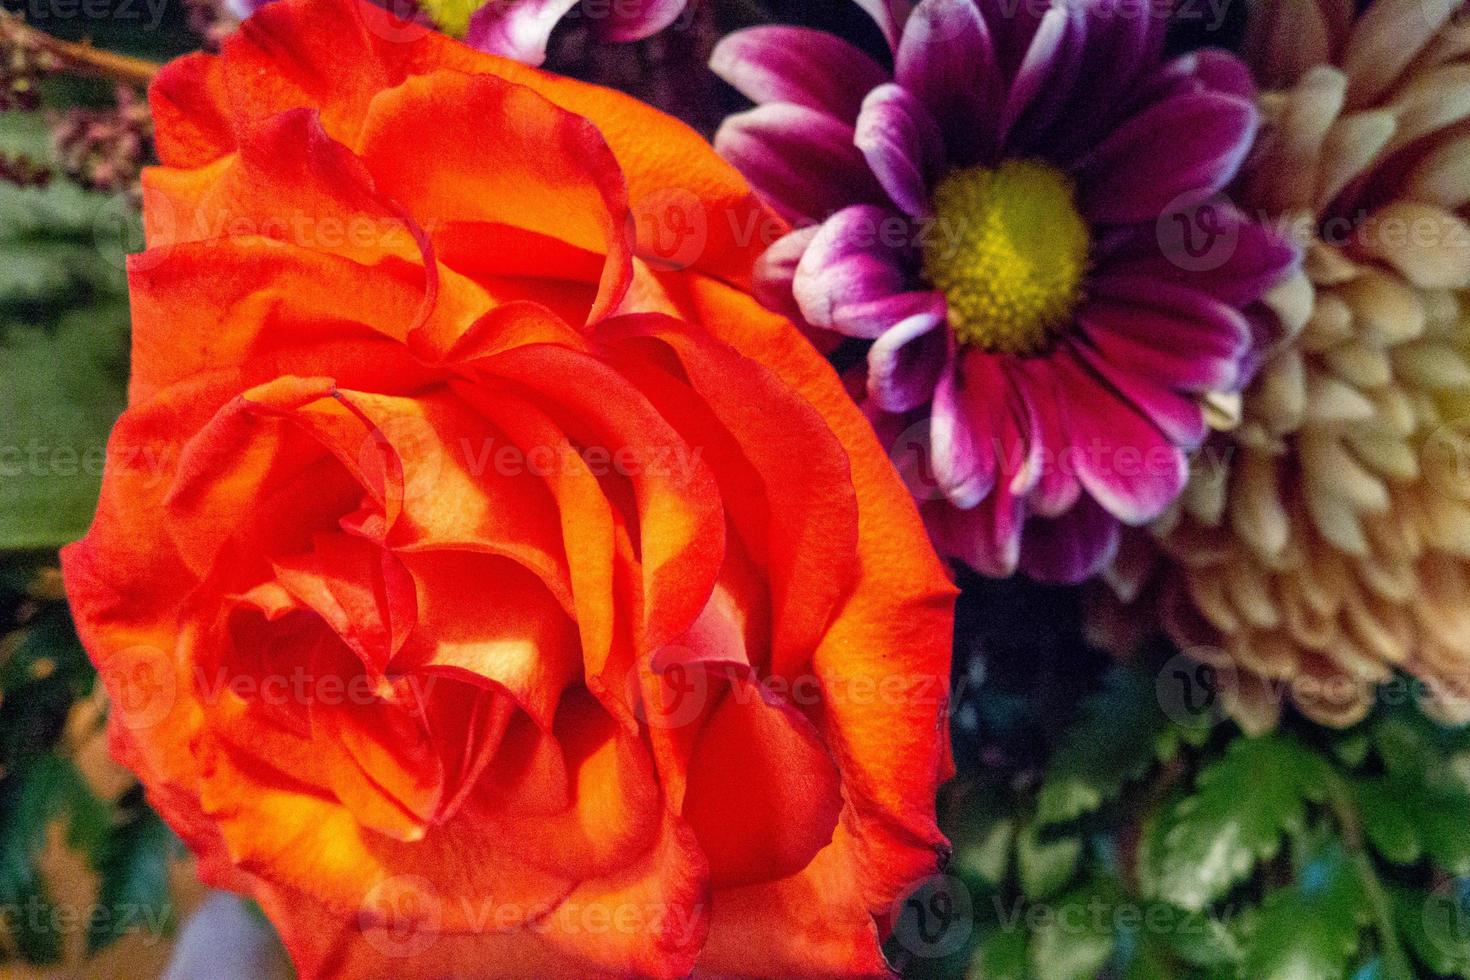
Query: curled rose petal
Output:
(478,550)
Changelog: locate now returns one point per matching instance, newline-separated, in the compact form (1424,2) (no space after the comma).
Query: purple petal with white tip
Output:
(1171,154)
(905,361)
(800,66)
(851,267)
(986,537)
(1044,62)
(1056,489)
(889,15)
(634,20)
(776,268)
(946,60)
(1191,356)
(1177,416)
(1122,460)
(1071,548)
(1210,247)
(903,146)
(1208,70)
(801,160)
(517,30)
(964,467)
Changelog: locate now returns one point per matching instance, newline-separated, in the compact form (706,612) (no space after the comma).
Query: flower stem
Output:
(1395,961)
(80,58)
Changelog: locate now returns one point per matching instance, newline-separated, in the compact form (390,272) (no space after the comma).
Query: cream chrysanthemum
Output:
(1325,542)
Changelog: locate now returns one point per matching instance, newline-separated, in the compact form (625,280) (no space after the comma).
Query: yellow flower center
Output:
(1009,252)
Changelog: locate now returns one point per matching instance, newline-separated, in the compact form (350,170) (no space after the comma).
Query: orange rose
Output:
(481,579)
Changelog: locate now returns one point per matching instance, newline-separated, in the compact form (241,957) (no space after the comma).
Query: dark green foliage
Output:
(1156,850)
(63,348)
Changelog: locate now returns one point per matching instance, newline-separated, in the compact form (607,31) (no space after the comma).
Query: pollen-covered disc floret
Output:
(1008,251)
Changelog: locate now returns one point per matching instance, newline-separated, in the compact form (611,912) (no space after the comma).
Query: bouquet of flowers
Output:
(647,488)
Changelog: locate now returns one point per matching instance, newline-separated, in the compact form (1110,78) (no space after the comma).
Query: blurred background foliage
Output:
(1107,820)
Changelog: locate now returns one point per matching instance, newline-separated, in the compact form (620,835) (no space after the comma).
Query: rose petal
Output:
(544,169)
(889,764)
(763,794)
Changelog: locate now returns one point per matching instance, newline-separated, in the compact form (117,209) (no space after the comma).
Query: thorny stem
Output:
(81,58)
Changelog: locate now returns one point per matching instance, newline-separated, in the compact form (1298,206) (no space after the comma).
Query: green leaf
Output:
(1045,863)
(29,924)
(61,389)
(45,673)
(48,789)
(1073,936)
(1200,938)
(1001,955)
(1122,732)
(1351,748)
(1436,928)
(134,894)
(46,647)
(983,855)
(1371,970)
(1141,956)
(1243,804)
(63,350)
(1310,930)
(1390,826)
(1426,788)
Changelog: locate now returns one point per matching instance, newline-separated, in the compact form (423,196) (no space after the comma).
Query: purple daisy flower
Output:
(1022,223)
(519,29)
